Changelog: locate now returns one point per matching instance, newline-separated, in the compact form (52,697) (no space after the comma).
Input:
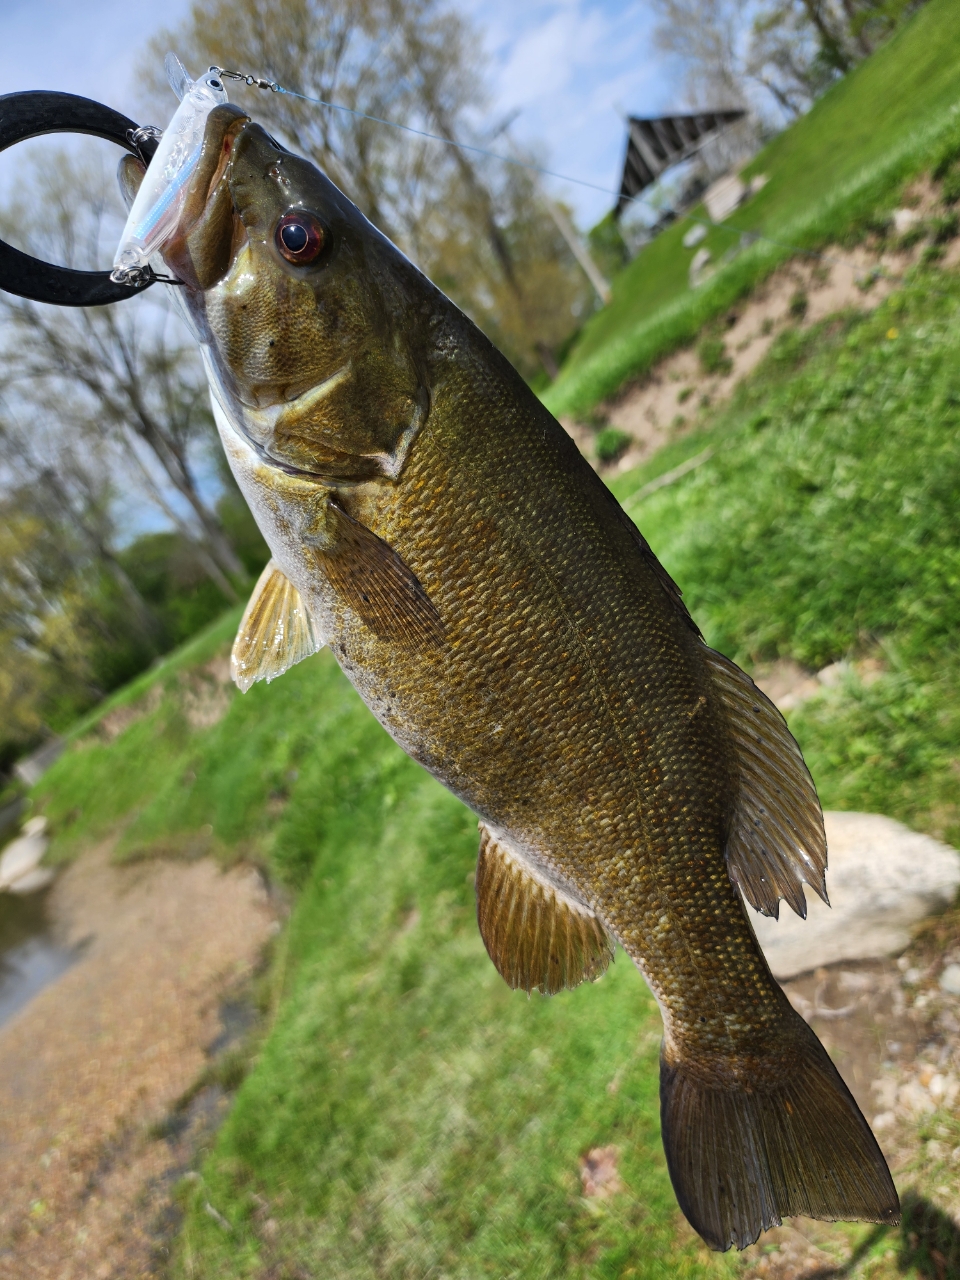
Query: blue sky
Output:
(568,66)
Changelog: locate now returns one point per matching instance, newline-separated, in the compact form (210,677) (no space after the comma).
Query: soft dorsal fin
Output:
(275,632)
(776,841)
(536,934)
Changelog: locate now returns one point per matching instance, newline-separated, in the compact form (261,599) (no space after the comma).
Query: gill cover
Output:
(310,319)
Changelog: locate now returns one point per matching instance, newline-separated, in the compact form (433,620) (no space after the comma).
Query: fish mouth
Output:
(210,230)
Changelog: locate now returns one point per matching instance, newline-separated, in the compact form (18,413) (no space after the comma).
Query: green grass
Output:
(826,525)
(407,1115)
(831,172)
(410,1116)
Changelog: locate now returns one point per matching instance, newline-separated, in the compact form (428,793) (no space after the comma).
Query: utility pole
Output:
(579,250)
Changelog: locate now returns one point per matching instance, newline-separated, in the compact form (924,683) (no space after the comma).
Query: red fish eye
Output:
(299,237)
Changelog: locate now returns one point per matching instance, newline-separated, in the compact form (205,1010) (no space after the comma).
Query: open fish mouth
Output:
(209,231)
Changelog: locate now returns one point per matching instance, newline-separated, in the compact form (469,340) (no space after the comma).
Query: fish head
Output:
(309,315)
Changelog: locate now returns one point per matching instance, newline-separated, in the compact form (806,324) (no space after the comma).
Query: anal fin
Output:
(776,841)
(275,632)
(536,934)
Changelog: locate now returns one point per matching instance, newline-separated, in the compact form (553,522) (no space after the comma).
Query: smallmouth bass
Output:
(511,629)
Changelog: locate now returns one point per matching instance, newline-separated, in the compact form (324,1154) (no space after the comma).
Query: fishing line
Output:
(409,128)
(272,86)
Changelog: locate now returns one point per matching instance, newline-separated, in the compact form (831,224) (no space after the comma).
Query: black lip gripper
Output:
(28,115)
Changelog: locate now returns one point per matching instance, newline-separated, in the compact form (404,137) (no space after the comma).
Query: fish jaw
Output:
(207,232)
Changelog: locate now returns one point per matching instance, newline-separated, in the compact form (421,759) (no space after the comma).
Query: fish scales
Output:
(621,770)
(506,623)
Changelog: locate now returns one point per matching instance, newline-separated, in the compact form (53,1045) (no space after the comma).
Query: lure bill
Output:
(158,205)
(510,627)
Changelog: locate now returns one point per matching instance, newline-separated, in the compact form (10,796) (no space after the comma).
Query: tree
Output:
(791,50)
(412,62)
(120,377)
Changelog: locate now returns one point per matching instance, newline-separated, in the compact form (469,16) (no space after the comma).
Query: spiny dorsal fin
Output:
(536,934)
(776,841)
(377,584)
(275,632)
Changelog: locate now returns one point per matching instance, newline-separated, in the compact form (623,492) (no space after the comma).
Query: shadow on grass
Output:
(929,1240)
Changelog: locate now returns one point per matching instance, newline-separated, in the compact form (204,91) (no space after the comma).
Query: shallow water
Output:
(30,957)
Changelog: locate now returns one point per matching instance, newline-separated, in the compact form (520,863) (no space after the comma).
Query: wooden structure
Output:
(655,145)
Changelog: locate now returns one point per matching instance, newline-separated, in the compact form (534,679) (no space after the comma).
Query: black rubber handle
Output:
(28,115)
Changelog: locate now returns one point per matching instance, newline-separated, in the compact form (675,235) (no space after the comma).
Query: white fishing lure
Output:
(156,209)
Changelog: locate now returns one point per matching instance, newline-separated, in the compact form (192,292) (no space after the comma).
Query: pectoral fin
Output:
(376,583)
(275,632)
(776,841)
(536,934)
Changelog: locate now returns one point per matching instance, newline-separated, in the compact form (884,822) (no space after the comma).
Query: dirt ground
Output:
(665,403)
(91,1068)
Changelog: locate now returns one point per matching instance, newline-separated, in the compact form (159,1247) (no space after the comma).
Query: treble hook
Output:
(38,111)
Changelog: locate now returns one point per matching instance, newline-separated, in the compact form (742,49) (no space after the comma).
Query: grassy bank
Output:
(407,1115)
(831,172)
(826,526)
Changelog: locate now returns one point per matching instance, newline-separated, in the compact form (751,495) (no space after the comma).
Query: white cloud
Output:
(571,66)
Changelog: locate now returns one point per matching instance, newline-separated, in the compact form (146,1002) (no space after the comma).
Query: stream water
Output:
(30,957)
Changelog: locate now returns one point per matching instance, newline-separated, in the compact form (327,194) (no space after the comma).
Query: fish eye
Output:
(300,237)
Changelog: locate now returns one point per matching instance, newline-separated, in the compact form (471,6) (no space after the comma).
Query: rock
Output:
(904,219)
(724,196)
(33,881)
(698,266)
(20,858)
(35,826)
(31,769)
(950,980)
(882,879)
(831,676)
(598,1173)
(694,236)
(914,1099)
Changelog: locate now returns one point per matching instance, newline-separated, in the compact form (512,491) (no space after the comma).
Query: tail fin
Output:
(742,1159)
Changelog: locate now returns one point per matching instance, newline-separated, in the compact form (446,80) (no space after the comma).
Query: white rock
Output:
(950,980)
(904,219)
(882,879)
(724,196)
(886,1090)
(21,857)
(832,675)
(34,826)
(694,236)
(33,881)
(914,1099)
(698,265)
